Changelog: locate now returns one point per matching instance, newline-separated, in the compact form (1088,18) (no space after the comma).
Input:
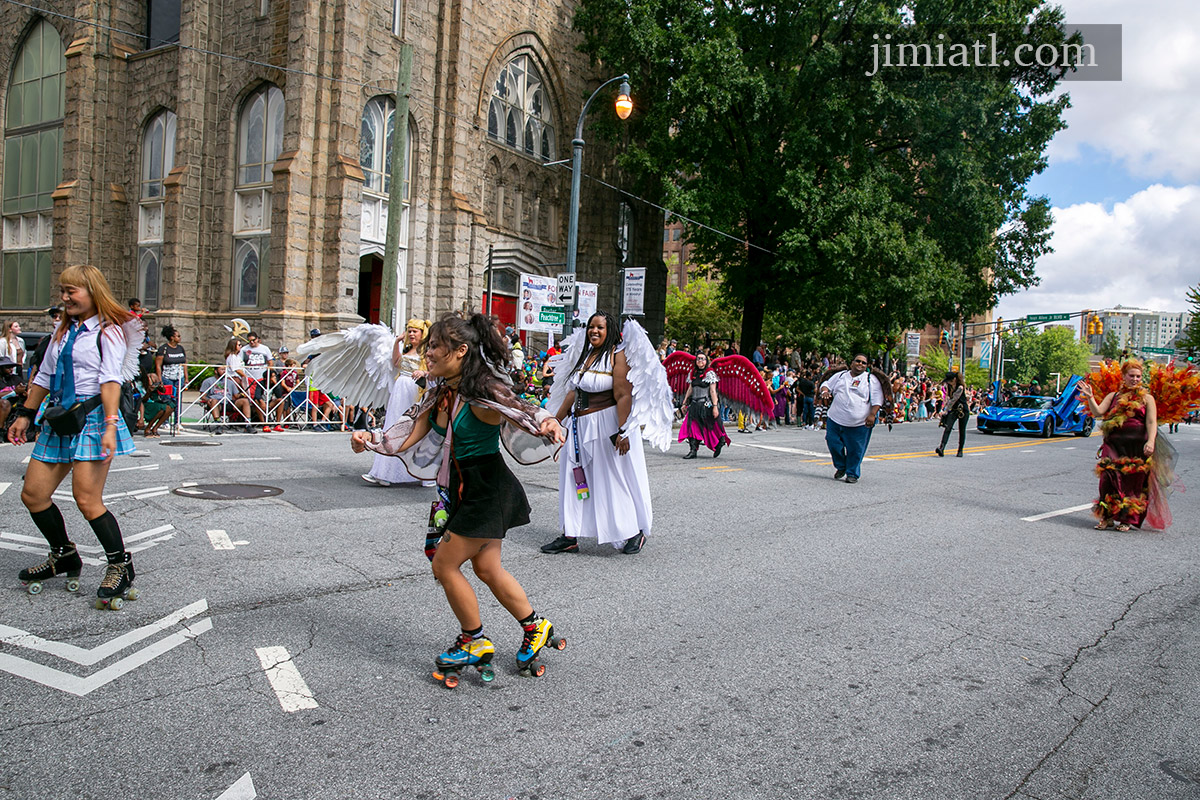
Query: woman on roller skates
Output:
(455,435)
(91,353)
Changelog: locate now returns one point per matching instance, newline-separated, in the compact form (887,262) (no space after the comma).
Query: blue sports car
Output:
(1044,416)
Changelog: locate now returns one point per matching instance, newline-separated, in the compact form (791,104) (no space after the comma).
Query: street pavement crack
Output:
(1112,626)
(1020,787)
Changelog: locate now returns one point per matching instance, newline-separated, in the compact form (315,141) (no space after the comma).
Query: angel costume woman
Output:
(1135,466)
(615,385)
(702,420)
(93,350)
(407,358)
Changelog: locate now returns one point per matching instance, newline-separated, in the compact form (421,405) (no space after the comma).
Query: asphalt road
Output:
(782,635)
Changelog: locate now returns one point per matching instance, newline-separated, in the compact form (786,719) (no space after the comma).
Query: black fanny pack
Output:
(70,420)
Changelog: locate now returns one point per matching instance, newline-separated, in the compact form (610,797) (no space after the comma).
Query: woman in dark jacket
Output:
(954,410)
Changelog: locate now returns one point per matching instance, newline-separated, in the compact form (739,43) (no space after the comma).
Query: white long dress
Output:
(618,505)
(404,394)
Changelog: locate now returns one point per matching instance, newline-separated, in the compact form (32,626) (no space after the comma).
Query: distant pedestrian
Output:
(170,367)
(957,410)
(855,396)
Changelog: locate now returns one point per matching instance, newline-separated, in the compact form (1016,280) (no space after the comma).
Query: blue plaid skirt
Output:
(84,446)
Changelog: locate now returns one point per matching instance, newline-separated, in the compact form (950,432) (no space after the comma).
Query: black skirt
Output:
(491,499)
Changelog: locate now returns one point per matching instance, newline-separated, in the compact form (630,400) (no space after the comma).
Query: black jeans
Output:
(962,433)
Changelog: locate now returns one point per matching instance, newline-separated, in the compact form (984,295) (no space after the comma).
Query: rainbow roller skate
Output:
(117,586)
(65,563)
(537,635)
(464,654)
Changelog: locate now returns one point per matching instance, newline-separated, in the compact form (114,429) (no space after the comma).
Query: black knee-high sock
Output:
(109,533)
(50,522)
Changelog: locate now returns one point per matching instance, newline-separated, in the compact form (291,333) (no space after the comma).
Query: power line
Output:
(358,84)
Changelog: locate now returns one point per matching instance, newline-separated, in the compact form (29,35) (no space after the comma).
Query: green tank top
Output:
(472,436)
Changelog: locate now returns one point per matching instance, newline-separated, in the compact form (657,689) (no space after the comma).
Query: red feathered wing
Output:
(741,384)
(679,366)
(1176,391)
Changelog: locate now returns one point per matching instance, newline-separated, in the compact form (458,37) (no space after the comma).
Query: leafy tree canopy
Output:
(896,199)
(1191,339)
(937,364)
(696,313)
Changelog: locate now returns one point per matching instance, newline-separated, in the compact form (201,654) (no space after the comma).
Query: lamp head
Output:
(624,103)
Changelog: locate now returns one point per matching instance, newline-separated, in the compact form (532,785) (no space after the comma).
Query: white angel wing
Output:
(562,386)
(652,399)
(355,364)
(135,333)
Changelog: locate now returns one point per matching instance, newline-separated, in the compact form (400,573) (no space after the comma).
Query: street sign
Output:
(566,286)
(1162,351)
(912,344)
(552,315)
(1047,317)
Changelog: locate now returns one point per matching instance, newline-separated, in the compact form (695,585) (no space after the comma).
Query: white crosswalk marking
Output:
(289,686)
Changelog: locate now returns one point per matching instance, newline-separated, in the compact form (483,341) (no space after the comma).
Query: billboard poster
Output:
(537,292)
(587,299)
(634,296)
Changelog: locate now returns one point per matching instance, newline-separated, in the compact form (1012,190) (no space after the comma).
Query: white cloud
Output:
(1147,121)
(1145,252)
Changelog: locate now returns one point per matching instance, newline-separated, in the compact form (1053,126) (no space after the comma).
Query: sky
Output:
(1124,177)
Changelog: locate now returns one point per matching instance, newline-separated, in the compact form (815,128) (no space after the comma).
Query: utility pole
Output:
(393,310)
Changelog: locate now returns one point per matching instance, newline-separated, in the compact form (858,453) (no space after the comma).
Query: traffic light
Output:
(999,322)
(1099,326)
(1091,328)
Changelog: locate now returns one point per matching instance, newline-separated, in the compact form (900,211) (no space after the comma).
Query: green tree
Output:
(937,364)
(1110,347)
(1191,338)
(1039,355)
(696,312)
(897,199)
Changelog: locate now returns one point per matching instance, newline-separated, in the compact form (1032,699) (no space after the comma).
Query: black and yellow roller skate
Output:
(65,562)
(538,634)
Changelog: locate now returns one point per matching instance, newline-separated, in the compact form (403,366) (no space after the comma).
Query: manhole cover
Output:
(191,443)
(227,491)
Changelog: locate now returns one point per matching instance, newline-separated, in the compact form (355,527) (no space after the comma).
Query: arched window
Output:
(158,158)
(519,113)
(260,140)
(33,131)
(375,155)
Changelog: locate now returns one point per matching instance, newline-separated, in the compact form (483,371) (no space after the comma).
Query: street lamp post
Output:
(624,106)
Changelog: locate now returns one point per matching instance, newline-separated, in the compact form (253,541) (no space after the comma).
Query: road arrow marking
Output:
(220,541)
(289,686)
(1058,513)
(85,657)
(4,487)
(71,684)
(242,790)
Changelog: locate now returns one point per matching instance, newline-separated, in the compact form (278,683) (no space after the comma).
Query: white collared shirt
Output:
(90,370)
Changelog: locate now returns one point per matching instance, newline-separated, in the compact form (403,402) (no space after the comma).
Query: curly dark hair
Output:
(168,331)
(487,351)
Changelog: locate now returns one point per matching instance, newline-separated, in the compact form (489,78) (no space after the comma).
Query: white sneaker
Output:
(369,478)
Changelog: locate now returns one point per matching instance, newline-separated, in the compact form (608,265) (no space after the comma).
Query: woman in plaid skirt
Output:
(86,359)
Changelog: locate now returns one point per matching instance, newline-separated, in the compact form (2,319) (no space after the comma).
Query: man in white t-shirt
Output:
(258,359)
(855,396)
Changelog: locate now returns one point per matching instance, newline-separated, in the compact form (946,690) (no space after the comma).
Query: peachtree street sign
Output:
(553,315)
(1047,317)
(1162,351)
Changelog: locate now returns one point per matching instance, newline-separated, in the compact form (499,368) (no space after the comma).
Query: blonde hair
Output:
(85,276)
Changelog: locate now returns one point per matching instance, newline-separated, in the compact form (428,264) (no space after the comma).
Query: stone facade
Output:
(469,192)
